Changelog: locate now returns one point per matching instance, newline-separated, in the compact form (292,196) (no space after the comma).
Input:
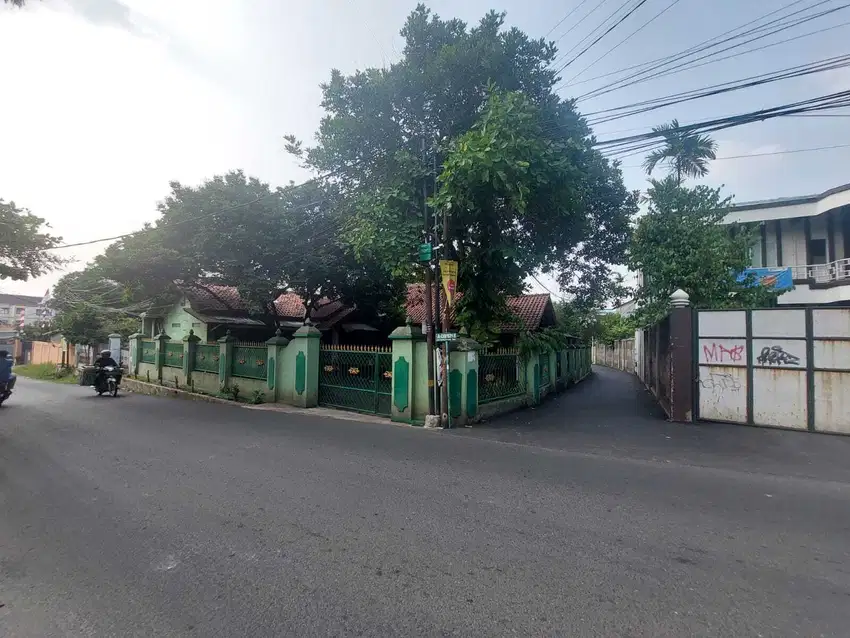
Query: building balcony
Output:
(819,284)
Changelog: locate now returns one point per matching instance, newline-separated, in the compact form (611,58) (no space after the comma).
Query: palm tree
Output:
(686,153)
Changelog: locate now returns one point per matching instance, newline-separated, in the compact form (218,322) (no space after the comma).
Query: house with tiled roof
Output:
(211,310)
(529,312)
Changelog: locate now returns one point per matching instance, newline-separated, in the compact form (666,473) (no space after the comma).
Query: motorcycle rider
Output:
(7,377)
(104,360)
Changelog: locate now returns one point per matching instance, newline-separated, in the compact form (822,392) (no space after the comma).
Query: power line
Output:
(573,28)
(557,296)
(607,31)
(562,20)
(659,70)
(626,39)
(749,155)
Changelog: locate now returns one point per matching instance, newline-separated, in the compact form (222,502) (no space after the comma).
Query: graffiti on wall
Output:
(719,353)
(777,356)
(720,382)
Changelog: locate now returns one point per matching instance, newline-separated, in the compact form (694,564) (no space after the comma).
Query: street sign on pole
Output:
(446,336)
(425,252)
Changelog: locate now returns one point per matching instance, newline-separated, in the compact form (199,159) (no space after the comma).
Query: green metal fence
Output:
(356,378)
(500,375)
(173,354)
(148,351)
(249,361)
(545,372)
(206,358)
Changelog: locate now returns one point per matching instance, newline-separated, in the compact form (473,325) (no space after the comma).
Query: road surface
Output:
(141,516)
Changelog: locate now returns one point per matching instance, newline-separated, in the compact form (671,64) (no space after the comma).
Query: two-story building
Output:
(16,310)
(808,234)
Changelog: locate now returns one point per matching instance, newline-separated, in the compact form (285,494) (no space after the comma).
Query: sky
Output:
(107,101)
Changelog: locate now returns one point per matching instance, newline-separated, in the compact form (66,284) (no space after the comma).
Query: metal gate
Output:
(357,378)
(784,367)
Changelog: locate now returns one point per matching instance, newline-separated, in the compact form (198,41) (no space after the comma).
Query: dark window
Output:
(817,250)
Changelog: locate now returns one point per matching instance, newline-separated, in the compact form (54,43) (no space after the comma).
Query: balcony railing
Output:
(823,273)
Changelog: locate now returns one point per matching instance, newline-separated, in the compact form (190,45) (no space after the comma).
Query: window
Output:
(817,251)
(197,324)
(175,325)
(4,312)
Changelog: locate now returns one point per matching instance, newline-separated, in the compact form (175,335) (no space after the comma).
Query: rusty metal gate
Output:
(782,367)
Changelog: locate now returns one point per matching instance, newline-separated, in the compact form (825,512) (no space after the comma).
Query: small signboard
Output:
(424,252)
(446,336)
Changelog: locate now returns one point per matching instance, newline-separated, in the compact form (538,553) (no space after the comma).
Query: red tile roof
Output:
(216,298)
(529,309)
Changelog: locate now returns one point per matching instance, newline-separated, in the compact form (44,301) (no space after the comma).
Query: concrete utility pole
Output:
(444,360)
(429,311)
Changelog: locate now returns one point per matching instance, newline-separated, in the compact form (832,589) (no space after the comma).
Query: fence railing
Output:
(174,355)
(545,372)
(838,270)
(249,360)
(206,358)
(148,351)
(500,375)
(356,378)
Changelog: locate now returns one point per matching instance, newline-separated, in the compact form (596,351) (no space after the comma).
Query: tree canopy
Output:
(24,244)
(237,230)
(470,113)
(685,152)
(681,243)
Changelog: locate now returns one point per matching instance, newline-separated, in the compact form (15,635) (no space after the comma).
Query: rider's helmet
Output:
(106,354)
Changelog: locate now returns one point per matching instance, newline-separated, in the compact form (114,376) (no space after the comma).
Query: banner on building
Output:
(777,278)
(448,273)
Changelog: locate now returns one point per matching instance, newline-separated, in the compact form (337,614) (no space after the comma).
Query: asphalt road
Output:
(140,516)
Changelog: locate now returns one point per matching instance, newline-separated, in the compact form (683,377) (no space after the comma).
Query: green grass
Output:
(46,372)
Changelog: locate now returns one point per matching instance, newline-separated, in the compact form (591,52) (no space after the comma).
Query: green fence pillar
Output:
(160,340)
(307,342)
(532,379)
(463,381)
(276,347)
(190,347)
(135,352)
(225,360)
(404,344)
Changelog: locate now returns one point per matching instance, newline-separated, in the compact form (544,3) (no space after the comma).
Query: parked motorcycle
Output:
(5,392)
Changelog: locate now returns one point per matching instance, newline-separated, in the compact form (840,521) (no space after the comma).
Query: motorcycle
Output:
(5,392)
(104,380)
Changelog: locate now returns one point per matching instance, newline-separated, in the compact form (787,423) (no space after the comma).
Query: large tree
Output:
(470,114)
(685,152)
(237,230)
(681,242)
(24,244)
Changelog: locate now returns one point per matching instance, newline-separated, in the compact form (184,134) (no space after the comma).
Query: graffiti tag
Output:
(720,381)
(718,353)
(776,356)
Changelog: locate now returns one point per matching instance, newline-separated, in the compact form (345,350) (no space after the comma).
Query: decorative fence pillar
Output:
(532,379)
(160,340)
(135,352)
(276,347)
(225,360)
(404,344)
(463,381)
(307,343)
(190,348)
(681,358)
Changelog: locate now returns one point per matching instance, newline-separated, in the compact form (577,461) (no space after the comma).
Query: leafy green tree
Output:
(681,243)
(15,3)
(24,244)
(686,153)
(236,230)
(519,181)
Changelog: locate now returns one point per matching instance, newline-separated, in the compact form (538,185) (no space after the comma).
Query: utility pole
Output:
(429,311)
(440,409)
(444,395)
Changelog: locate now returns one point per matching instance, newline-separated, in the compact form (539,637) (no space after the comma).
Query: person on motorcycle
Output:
(104,360)
(7,377)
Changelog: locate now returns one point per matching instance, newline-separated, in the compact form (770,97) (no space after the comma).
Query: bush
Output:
(46,372)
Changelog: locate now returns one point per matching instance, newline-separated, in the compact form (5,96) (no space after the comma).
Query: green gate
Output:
(357,378)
